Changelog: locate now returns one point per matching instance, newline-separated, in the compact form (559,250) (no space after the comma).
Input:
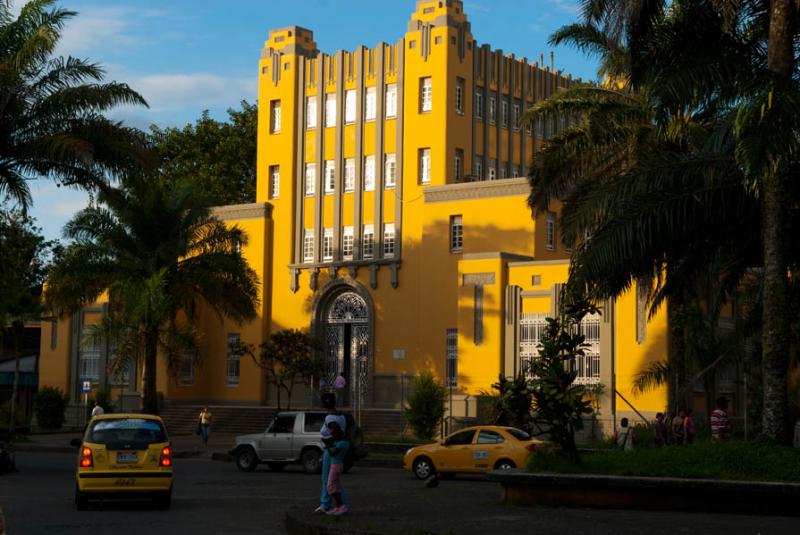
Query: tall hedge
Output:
(49,406)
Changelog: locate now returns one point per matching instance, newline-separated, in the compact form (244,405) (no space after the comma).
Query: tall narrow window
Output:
(478,169)
(492,110)
(349,174)
(368,242)
(390,171)
(187,368)
(330,109)
(425,94)
(311,112)
(311,179)
(517,117)
(492,173)
(424,166)
(369,173)
(371,100)
(274,181)
(391,100)
(515,171)
(232,360)
(327,245)
(458,164)
(459,95)
(275,116)
(350,106)
(452,357)
(503,171)
(478,313)
(479,105)
(504,113)
(330,176)
(456,234)
(550,231)
(308,246)
(347,243)
(388,240)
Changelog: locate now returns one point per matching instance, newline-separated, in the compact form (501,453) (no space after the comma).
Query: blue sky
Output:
(186,56)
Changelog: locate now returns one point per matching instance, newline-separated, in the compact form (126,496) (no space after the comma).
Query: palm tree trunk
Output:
(150,401)
(776,336)
(676,347)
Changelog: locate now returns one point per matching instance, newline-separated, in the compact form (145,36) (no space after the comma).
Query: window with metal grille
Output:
(347,243)
(89,355)
(550,231)
(388,240)
(274,181)
(479,105)
(370,105)
(232,360)
(391,100)
(369,173)
(517,117)
(275,116)
(330,177)
(311,179)
(478,169)
(457,165)
(308,246)
(390,170)
(452,358)
(459,95)
(311,113)
(504,113)
(368,242)
(424,166)
(426,94)
(503,171)
(456,234)
(349,174)
(330,109)
(327,245)
(492,110)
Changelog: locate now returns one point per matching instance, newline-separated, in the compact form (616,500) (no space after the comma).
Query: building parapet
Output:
(256,210)
(507,187)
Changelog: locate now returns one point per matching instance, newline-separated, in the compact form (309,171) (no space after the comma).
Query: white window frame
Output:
(492,175)
(391,101)
(425,94)
(349,175)
(425,165)
(274,181)
(459,95)
(232,360)
(456,233)
(389,246)
(492,110)
(330,177)
(348,243)
(311,113)
(330,110)
(503,171)
(517,116)
(550,231)
(350,106)
(327,245)
(390,170)
(311,179)
(371,104)
(479,105)
(369,173)
(308,246)
(479,168)
(368,242)
(274,116)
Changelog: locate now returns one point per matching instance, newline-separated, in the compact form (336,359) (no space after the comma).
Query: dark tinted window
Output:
(283,423)
(519,434)
(462,437)
(313,422)
(126,433)
(490,437)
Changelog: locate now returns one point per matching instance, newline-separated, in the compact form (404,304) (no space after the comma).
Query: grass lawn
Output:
(735,460)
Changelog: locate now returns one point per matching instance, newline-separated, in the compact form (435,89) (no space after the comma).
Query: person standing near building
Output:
(720,424)
(689,429)
(337,454)
(204,424)
(624,437)
(678,431)
(325,500)
(97,410)
(660,430)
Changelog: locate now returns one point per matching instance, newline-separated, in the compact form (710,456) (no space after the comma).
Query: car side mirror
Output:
(75,442)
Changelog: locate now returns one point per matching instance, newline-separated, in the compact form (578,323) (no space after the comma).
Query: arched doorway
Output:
(345,323)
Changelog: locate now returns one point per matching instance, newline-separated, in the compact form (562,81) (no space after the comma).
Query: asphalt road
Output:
(213,497)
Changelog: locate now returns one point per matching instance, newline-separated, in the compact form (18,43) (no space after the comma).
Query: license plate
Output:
(126,457)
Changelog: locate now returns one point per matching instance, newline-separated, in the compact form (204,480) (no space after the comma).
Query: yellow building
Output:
(391,222)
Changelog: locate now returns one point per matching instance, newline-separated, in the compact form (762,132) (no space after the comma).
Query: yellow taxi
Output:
(124,456)
(472,450)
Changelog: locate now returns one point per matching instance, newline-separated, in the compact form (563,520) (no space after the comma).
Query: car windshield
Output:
(126,433)
(519,434)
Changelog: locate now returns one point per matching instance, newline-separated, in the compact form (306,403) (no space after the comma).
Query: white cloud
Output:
(570,7)
(93,28)
(174,91)
(54,206)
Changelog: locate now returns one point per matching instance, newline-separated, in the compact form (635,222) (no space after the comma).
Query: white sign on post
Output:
(86,387)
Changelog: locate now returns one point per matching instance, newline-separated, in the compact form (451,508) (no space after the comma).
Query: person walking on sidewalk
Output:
(325,500)
(204,425)
(720,424)
(97,410)
(337,454)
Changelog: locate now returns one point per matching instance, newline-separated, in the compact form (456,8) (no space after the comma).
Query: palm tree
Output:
(153,245)
(51,109)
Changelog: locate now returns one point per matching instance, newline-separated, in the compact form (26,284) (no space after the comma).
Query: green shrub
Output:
(425,408)
(49,405)
(5,415)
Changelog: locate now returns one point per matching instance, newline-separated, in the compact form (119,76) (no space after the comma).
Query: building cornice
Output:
(496,255)
(533,263)
(233,212)
(506,187)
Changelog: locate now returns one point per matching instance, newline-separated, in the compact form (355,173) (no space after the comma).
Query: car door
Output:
(488,448)
(276,443)
(456,452)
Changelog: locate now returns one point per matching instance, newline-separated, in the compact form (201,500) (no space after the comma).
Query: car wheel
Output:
(163,500)
(504,464)
(81,501)
(276,467)
(246,459)
(310,461)
(423,468)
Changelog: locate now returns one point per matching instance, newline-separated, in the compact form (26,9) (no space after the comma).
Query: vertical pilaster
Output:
(358,158)
(338,152)
(319,192)
(513,309)
(380,124)
(398,189)
(300,143)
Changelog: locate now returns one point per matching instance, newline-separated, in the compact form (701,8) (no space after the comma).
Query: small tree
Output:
(512,403)
(425,408)
(49,405)
(560,405)
(290,358)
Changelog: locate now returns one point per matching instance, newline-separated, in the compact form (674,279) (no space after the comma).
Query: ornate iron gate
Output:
(347,344)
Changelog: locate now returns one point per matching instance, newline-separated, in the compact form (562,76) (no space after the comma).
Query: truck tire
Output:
(246,459)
